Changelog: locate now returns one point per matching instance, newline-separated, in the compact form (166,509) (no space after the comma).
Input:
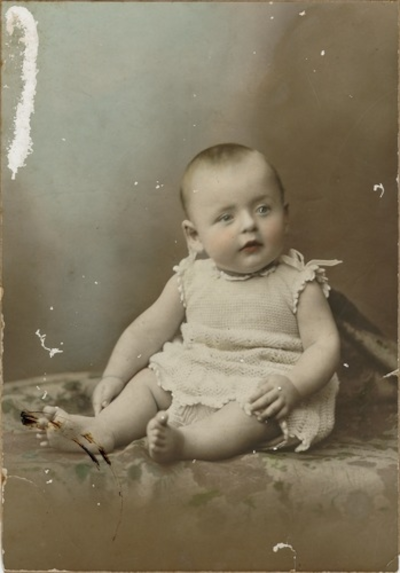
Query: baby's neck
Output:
(262,270)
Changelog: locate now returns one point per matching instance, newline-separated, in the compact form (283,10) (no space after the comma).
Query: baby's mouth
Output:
(251,246)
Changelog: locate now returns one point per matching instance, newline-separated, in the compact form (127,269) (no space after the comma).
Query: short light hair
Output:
(220,155)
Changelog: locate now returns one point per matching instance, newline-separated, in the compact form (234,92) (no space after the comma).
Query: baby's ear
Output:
(192,237)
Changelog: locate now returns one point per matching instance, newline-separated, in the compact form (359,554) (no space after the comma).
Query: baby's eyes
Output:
(229,217)
(263,209)
(225,218)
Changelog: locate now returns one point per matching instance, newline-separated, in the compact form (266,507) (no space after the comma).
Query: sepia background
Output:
(127,94)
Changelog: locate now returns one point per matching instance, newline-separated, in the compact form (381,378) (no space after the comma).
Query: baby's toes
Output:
(156,430)
(42,423)
(161,420)
(158,438)
(51,412)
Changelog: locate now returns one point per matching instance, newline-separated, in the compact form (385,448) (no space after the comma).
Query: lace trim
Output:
(180,269)
(263,273)
(310,271)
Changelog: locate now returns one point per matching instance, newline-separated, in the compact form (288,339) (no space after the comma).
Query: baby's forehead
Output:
(249,163)
(201,175)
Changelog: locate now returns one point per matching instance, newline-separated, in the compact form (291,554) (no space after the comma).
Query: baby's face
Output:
(237,215)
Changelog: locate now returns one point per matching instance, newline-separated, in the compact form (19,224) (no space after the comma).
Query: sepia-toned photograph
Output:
(199,286)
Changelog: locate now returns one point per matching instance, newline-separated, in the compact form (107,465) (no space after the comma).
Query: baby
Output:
(239,351)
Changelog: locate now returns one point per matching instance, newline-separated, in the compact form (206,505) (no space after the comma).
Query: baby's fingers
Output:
(273,410)
(262,402)
(263,398)
(256,404)
(260,392)
(99,403)
(99,407)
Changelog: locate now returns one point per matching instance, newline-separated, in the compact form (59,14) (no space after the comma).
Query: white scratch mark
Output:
(379,187)
(393,373)
(44,395)
(345,365)
(302,13)
(51,351)
(323,53)
(49,481)
(21,478)
(22,144)
(4,477)
(280,546)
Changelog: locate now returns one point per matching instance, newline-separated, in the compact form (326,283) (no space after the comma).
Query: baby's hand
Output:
(106,390)
(274,398)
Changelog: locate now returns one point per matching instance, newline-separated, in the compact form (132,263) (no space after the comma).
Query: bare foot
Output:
(72,433)
(165,441)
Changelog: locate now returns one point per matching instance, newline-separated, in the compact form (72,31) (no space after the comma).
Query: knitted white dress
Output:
(239,329)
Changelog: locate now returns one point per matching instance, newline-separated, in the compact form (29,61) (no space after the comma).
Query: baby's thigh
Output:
(146,379)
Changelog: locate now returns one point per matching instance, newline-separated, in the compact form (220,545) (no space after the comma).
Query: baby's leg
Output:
(226,433)
(122,422)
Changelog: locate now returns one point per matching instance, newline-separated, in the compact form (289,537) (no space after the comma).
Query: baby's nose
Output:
(248,222)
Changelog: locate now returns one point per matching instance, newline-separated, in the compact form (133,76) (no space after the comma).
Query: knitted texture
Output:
(238,330)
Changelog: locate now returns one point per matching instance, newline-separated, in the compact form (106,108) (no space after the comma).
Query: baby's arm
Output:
(143,338)
(315,367)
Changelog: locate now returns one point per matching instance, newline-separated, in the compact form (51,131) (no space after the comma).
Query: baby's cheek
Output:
(223,241)
(276,230)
